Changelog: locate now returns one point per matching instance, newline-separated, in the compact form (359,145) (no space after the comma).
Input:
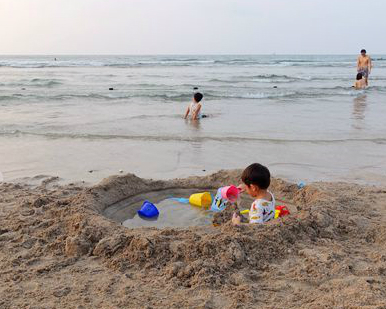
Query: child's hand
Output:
(236,219)
(241,188)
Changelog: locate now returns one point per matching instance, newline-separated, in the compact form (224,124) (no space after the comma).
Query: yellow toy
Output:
(280,211)
(277,213)
(201,199)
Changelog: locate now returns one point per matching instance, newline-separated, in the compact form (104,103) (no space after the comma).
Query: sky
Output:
(192,26)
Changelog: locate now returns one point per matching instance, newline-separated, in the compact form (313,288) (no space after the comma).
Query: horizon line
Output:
(183,54)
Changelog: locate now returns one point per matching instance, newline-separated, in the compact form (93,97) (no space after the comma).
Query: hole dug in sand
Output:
(119,199)
(172,213)
(197,254)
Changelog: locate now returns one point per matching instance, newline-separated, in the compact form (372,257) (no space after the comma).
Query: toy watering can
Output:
(230,193)
(224,197)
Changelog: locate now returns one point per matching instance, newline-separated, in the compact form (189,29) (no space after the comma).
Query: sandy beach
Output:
(59,250)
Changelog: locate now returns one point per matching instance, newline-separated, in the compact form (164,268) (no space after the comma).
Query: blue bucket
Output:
(148,210)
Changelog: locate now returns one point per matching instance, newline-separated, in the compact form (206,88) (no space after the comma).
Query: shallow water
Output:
(172,214)
(59,118)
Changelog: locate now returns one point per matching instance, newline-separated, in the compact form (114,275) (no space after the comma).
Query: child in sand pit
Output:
(195,107)
(256,179)
(360,82)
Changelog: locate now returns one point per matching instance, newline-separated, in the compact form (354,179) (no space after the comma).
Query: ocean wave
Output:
(263,78)
(42,82)
(161,61)
(57,135)
(95,96)
(277,78)
(35,82)
(209,94)
(8,97)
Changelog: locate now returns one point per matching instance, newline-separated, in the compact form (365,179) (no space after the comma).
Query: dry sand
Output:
(59,251)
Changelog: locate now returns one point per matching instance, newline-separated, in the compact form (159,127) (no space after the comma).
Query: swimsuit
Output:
(262,210)
(364,72)
(193,107)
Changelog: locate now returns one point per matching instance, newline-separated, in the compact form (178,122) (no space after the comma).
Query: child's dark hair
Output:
(359,76)
(256,174)
(363,51)
(198,97)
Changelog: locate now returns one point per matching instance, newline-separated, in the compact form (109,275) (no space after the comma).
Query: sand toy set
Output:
(225,197)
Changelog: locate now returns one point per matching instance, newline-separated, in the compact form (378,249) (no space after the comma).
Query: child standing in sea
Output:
(256,179)
(195,107)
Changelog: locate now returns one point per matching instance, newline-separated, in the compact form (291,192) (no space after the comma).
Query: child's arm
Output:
(257,215)
(194,116)
(187,113)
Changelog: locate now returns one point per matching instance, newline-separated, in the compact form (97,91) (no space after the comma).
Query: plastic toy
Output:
(277,213)
(280,211)
(148,210)
(224,197)
(219,204)
(201,199)
(230,193)
(180,200)
(301,184)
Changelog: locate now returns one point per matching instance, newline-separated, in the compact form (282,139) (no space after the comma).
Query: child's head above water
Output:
(256,177)
(359,76)
(198,97)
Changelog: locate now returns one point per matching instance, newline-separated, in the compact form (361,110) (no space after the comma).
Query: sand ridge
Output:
(59,251)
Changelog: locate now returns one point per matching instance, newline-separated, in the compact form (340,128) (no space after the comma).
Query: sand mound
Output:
(60,250)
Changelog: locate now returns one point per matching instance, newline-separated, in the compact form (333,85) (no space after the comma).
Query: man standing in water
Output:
(364,65)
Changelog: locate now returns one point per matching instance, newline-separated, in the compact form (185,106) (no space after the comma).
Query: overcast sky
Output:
(192,26)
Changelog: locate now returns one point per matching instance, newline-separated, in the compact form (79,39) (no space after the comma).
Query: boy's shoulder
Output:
(261,203)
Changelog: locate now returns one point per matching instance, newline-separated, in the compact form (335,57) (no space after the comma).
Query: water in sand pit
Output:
(172,214)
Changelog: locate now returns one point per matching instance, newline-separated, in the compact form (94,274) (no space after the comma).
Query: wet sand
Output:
(59,250)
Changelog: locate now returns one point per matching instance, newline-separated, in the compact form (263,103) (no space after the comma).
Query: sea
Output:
(84,118)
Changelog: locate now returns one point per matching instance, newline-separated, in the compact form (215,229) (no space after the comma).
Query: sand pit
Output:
(60,249)
(173,214)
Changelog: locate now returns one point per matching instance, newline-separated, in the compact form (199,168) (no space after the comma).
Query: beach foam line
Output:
(267,93)
(235,139)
